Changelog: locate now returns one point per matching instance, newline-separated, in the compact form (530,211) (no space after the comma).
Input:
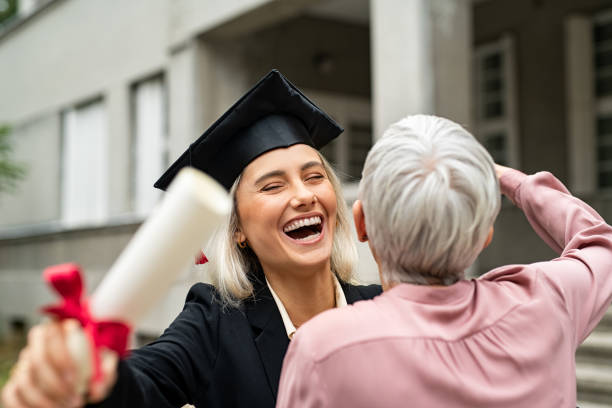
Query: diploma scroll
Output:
(193,207)
(162,248)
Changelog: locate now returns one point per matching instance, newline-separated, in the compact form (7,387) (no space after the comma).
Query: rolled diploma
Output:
(164,246)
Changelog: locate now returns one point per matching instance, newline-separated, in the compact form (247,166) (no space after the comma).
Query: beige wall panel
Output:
(74,50)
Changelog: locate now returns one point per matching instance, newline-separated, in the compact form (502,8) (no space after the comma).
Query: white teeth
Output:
(310,237)
(302,223)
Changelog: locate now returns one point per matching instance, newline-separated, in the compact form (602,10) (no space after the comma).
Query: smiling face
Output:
(287,209)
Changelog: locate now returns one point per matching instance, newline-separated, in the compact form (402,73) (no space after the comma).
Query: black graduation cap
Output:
(273,114)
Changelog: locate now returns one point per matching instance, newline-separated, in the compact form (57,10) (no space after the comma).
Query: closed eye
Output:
(271,187)
(315,177)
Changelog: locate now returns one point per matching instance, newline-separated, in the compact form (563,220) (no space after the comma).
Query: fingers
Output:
(52,371)
(500,170)
(20,391)
(79,350)
(9,397)
(26,391)
(46,374)
(43,374)
(99,390)
(61,357)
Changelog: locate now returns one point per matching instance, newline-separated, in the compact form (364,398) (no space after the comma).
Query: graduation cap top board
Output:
(273,114)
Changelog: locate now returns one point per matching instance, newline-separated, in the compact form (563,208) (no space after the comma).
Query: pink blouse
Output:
(506,339)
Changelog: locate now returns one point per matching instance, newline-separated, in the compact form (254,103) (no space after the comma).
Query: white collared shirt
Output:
(289,326)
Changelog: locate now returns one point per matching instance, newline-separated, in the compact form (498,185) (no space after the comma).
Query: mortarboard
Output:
(273,114)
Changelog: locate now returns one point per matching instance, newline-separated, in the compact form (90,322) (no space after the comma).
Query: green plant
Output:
(10,171)
(8,10)
(8,356)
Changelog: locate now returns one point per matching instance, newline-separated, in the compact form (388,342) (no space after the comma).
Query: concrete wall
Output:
(189,18)
(315,53)
(537,27)
(22,261)
(67,54)
(74,51)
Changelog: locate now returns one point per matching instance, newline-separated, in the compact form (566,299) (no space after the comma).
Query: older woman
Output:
(285,255)
(428,199)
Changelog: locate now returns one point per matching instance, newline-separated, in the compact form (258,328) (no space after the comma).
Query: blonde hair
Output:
(231,267)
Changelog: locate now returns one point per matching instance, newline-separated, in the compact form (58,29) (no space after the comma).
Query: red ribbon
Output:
(67,281)
(201,259)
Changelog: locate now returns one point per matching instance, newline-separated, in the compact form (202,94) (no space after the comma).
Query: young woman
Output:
(285,255)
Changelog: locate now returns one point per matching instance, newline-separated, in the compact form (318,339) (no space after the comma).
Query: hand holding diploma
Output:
(56,366)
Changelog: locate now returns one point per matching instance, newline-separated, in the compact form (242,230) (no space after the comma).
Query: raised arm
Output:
(45,375)
(582,275)
(170,372)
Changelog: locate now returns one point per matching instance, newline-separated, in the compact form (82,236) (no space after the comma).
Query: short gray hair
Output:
(230,266)
(430,195)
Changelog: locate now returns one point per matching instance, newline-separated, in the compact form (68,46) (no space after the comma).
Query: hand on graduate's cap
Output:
(45,375)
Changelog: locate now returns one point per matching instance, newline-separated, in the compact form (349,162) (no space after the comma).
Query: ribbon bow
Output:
(67,281)
(201,259)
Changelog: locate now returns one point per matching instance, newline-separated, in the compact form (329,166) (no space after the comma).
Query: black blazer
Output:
(213,357)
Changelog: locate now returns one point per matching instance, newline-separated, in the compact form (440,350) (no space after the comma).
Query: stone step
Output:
(606,323)
(583,404)
(596,349)
(594,382)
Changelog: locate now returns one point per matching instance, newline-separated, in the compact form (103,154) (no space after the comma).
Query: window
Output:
(580,117)
(348,151)
(588,42)
(602,65)
(149,147)
(84,164)
(27,7)
(495,100)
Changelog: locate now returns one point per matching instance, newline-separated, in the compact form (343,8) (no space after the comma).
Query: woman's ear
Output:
(239,236)
(359,218)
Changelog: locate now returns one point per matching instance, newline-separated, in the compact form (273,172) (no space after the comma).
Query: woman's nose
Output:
(303,196)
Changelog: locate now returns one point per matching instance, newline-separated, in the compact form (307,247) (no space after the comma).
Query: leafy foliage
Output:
(10,171)
(8,9)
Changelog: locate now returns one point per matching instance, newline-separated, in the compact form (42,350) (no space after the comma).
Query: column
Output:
(421,60)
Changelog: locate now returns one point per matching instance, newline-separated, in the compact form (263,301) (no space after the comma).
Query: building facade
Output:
(102,95)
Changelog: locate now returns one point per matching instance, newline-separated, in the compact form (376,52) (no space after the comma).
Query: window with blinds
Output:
(348,151)
(149,142)
(494,94)
(85,164)
(602,65)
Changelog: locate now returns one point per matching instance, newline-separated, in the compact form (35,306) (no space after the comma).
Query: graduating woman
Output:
(285,255)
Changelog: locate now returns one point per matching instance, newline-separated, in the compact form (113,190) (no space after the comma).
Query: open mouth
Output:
(305,229)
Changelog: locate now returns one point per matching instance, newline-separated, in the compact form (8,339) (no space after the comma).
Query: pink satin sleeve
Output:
(582,275)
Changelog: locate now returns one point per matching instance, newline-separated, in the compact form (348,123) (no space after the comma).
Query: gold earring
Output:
(242,244)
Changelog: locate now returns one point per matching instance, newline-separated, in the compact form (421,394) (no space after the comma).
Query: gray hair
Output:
(231,266)
(430,196)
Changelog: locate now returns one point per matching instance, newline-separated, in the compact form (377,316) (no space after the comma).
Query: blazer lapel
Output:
(269,333)
(357,293)
(350,292)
